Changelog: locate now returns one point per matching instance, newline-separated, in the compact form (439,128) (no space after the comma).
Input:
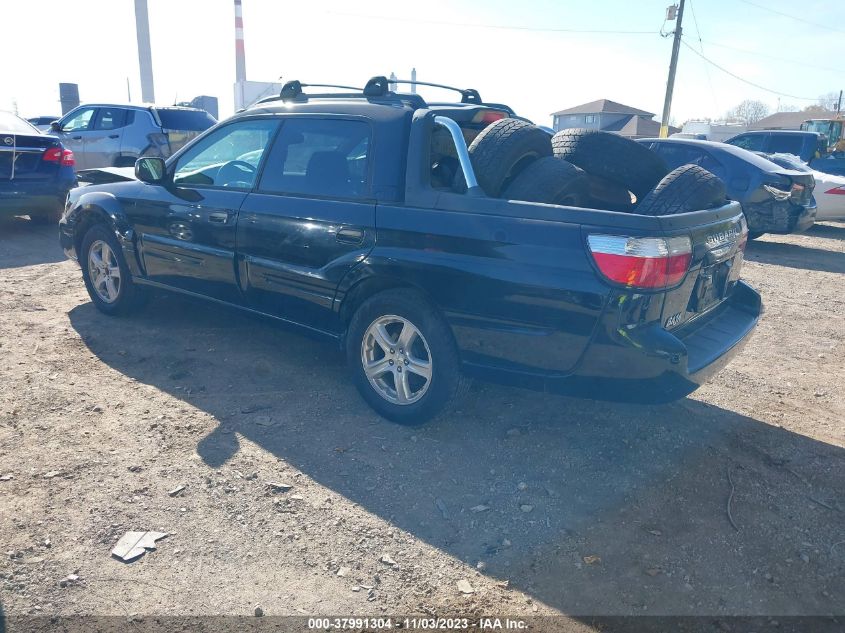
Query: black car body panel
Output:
(514,280)
(28,182)
(753,181)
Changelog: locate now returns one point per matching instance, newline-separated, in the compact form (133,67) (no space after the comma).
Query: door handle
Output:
(220,217)
(114,135)
(76,138)
(350,236)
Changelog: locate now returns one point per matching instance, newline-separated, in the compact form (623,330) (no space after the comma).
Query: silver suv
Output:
(108,135)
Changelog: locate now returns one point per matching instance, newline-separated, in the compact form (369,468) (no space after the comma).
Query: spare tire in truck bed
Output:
(503,149)
(550,180)
(611,156)
(687,188)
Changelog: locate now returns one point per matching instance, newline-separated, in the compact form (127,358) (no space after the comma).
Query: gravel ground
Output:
(518,504)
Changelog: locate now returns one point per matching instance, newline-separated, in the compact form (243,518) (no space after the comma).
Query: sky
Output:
(528,54)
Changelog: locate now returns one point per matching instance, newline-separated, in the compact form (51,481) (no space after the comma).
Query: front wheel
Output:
(402,356)
(106,275)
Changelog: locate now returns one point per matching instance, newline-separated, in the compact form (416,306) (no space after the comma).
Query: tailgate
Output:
(21,157)
(718,245)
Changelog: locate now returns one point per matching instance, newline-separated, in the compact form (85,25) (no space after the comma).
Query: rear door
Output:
(74,131)
(311,219)
(102,141)
(187,228)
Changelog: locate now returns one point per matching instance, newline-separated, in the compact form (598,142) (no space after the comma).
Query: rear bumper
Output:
(649,364)
(23,199)
(779,217)
(661,366)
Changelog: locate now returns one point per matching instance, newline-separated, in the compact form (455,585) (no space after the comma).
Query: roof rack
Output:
(468,95)
(378,86)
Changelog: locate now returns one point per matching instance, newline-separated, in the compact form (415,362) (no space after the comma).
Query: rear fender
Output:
(103,207)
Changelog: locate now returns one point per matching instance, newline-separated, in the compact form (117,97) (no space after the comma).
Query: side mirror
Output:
(150,169)
(55,126)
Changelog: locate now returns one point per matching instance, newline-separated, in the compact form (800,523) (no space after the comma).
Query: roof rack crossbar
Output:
(293,89)
(468,95)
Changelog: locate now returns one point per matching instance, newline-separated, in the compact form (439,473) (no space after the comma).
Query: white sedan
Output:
(829,191)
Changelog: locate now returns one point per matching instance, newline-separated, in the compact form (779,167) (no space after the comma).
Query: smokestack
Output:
(414,78)
(240,56)
(145,55)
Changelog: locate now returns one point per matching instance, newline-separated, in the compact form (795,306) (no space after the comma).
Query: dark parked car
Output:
(324,212)
(36,171)
(42,123)
(810,147)
(773,198)
(107,135)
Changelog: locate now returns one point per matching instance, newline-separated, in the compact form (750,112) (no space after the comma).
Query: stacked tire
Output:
(516,160)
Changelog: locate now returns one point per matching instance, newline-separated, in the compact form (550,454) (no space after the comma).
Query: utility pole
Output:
(673,66)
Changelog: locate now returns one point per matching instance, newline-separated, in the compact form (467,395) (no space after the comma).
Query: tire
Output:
(552,181)
(611,156)
(434,340)
(606,194)
(503,149)
(687,188)
(128,296)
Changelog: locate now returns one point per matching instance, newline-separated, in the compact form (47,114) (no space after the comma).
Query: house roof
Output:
(637,126)
(604,105)
(782,121)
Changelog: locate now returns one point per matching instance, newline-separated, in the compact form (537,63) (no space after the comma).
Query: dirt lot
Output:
(542,504)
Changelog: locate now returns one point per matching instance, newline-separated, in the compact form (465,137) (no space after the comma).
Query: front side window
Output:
(320,157)
(228,157)
(79,121)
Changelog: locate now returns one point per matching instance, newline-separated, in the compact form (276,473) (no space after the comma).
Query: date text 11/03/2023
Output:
(418,624)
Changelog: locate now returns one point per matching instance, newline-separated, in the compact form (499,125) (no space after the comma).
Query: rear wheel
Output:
(402,357)
(503,149)
(611,156)
(47,217)
(106,275)
(552,181)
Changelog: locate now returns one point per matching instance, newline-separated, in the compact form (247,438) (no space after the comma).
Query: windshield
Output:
(11,124)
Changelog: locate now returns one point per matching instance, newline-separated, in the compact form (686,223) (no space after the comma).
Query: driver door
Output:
(186,227)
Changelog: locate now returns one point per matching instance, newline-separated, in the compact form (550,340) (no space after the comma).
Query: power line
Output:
(506,27)
(750,83)
(701,48)
(774,57)
(792,17)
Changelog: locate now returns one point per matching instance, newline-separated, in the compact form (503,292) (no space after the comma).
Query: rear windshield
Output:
(193,120)
(11,124)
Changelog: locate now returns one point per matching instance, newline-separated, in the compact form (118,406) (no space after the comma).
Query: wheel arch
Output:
(100,207)
(371,285)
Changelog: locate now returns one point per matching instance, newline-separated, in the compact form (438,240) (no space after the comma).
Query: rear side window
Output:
(751,142)
(319,157)
(676,155)
(786,144)
(110,119)
(185,120)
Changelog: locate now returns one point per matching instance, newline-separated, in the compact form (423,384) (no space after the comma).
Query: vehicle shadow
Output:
(829,229)
(23,243)
(795,256)
(592,508)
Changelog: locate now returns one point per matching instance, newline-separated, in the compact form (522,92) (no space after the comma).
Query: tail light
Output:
(59,155)
(837,191)
(641,262)
(488,116)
